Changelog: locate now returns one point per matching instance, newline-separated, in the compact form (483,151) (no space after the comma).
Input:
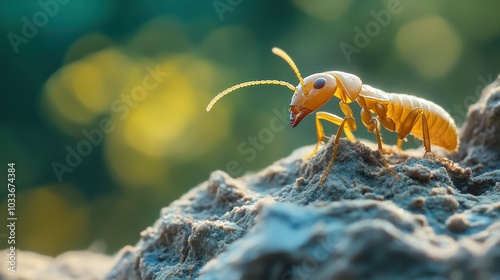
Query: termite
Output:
(401,113)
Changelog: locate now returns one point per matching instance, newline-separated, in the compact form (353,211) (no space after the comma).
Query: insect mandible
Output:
(401,113)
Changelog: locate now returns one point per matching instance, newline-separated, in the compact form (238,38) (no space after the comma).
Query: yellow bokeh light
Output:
(431,45)
(155,118)
(78,93)
(61,106)
(97,80)
(162,115)
(133,169)
(52,219)
(87,86)
(167,123)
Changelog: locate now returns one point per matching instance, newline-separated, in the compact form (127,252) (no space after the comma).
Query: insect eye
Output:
(319,83)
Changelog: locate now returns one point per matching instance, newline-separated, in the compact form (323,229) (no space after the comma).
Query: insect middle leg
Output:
(374,126)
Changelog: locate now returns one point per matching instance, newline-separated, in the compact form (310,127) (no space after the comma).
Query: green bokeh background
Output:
(89,55)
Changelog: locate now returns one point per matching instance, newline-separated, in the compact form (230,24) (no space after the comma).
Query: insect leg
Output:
(409,123)
(400,145)
(336,147)
(319,128)
(425,132)
(374,126)
(427,143)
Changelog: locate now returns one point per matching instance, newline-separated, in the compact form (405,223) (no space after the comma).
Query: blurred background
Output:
(104,101)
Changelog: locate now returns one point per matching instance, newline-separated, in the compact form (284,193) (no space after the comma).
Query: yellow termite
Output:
(401,113)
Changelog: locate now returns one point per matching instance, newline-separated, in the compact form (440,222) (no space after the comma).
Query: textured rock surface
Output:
(431,221)
(79,265)
(480,148)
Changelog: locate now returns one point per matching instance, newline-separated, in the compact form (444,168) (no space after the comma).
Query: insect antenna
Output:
(248,84)
(281,53)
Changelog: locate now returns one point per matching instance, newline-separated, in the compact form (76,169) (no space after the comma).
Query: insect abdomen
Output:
(442,128)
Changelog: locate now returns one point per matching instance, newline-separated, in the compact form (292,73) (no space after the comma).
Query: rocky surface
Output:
(480,137)
(430,221)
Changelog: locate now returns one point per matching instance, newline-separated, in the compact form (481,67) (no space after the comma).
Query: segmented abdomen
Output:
(442,128)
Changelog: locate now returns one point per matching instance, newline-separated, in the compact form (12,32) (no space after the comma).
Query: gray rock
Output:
(480,137)
(430,221)
(335,242)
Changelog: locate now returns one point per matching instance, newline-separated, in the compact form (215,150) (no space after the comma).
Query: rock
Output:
(480,137)
(75,265)
(335,242)
(430,221)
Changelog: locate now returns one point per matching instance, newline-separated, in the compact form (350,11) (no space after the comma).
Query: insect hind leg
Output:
(409,123)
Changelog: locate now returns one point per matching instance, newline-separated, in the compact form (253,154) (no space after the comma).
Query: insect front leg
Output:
(321,133)
(346,120)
